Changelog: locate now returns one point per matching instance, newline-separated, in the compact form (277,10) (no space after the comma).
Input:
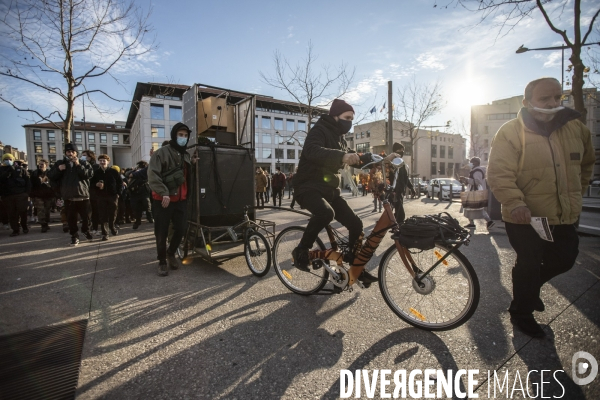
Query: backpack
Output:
(422,232)
(138,186)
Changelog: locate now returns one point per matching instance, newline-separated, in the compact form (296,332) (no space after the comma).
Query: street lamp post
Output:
(524,49)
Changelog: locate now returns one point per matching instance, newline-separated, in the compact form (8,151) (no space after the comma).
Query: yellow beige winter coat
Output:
(548,174)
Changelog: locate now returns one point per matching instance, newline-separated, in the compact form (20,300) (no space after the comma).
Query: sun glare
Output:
(466,94)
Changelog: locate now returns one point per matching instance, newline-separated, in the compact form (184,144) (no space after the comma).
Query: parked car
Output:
(419,183)
(433,189)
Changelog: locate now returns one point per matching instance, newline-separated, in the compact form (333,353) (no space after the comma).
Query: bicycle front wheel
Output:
(447,297)
(257,252)
(296,280)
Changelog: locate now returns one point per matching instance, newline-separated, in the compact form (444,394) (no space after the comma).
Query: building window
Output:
(442,169)
(125,139)
(174,113)
(154,146)
(103,138)
(92,147)
(266,123)
(290,125)
(442,152)
(158,131)
(266,153)
(38,158)
(38,147)
(485,156)
(91,137)
(450,169)
(362,147)
(434,150)
(157,111)
(407,148)
(115,139)
(278,154)
(302,126)
(37,135)
(279,123)
(433,168)
(450,152)
(358,135)
(79,148)
(52,159)
(78,137)
(256,121)
(51,148)
(266,138)
(486,129)
(51,135)
(301,140)
(486,143)
(368,133)
(362,135)
(291,154)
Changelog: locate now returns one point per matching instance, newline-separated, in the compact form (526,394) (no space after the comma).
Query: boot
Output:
(45,228)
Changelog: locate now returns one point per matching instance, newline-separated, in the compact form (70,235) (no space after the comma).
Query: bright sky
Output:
(226,44)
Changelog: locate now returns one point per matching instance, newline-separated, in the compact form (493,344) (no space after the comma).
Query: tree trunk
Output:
(577,82)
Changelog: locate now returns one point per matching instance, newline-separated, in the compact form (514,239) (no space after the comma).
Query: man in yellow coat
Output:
(540,165)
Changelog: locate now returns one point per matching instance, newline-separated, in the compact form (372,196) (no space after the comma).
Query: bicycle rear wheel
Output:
(296,280)
(257,252)
(450,294)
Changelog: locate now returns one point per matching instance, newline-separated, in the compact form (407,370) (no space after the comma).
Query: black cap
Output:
(70,146)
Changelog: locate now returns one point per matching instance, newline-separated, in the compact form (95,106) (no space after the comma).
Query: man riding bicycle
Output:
(316,184)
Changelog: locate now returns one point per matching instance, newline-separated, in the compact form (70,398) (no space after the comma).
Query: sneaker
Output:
(94,232)
(366,278)
(375,210)
(490,224)
(151,220)
(14,233)
(528,325)
(470,226)
(104,238)
(114,232)
(25,230)
(88,235)
(172,261)
(135,226)
(300,257)
(163,269)
(45,228)
(74,241)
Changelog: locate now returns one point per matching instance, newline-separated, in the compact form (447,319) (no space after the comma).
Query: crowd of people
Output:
(84,188)
(273,186)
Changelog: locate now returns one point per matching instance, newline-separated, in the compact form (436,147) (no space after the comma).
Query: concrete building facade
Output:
(436,154)
(45,141)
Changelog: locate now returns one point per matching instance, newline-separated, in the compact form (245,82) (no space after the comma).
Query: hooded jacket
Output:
(74,181)
(40,185)
(261,181)
(166,159)
(321,158)
(545,167)
(14,180)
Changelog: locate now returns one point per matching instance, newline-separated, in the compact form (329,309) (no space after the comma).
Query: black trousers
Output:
(399,210)
(94,213)
(324,210)
(106,212)
(260,200)
(176,213)
(75,208)
(16,208)
(538,261)
(140,204)
(3,213)
(277,193)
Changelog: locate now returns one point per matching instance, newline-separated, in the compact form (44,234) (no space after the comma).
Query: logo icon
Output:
(590,365)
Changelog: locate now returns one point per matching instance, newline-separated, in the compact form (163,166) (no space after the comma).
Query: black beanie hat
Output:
(70,146)
(338,107)
(177,127)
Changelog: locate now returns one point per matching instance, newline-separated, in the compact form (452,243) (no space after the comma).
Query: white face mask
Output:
(547,111)
(83,158)
(470,165)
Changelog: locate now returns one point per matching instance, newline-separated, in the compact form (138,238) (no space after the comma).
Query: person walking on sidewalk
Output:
(169,174)
(139,193)
(540,165)
(261,185)
(14,190)
(278,182)
(476,181)
(73,177)
(400,185)
(106,185)
(90,157)
(42,194)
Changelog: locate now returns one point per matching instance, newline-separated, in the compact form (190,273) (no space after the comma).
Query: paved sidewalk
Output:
(216,331)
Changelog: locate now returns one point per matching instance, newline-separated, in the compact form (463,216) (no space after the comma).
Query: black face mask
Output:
(400,154)
(344,126)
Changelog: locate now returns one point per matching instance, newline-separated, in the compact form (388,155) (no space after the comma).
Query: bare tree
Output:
(61,46)
(308,84)
(415,104)
(506,14)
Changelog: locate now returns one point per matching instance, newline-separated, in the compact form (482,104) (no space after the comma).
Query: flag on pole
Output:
(382,108)
(373,110)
